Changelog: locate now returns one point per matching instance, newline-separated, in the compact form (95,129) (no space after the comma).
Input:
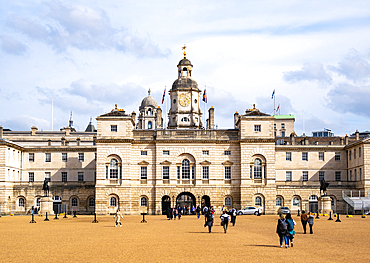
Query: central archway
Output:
(166,203)
(186,199)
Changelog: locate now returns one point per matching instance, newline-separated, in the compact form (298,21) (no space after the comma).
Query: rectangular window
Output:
(359,152)
(205,172)
(205,152)
(166,172)
(354,154)
(227,152)
(113,128)
(321,156)
(144,153)
(31,157)
(283,134)
(64,157)
(48,176)
(350,175)
(288,156)
(64,177)
(338,176)
(31,177)
(257,128)
(48,157)
(321,176)
(80,176)
(95,157)
(143,173)
(227,173)
(337,156)
(81,157)
(178,172)
(274,125)
(305,176)
(193,172)
(304,156)
(360,173)
(283,125)
(350,155)
(288,176)
(166,152)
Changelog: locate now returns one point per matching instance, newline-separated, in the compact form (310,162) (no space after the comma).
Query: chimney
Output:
(133,115)
(159,118)
(1,132)
(236,118)
(211,122)
(34,130)
(341,141)
(78,141)
(292,139)
(357,135)
(346,139)
(305,141)
(49,142)
(63,141)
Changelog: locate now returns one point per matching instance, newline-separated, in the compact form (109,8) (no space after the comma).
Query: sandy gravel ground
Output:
(253,239)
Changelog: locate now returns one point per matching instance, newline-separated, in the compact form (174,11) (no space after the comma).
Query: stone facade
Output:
(142,167)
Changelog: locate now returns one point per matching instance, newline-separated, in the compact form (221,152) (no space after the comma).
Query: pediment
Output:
(165,162)
(143,163)
(205,163)
(227,163)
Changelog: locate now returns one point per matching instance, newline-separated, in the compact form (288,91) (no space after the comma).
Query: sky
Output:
(85,56)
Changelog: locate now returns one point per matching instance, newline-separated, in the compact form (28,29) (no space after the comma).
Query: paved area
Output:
(253,239)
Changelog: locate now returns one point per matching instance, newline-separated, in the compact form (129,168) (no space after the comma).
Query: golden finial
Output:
(149,92)
(183,48)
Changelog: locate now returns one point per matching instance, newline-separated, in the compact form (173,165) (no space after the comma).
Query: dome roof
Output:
(184,83)
(149,101)
(185,62)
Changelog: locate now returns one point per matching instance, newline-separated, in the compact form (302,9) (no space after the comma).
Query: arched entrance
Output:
(206,201)
(57,204)
(166,203)
(313,204)
(186,199)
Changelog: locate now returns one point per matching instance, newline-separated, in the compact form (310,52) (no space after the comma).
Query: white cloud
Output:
(309,72)
(25,122)
(12,46)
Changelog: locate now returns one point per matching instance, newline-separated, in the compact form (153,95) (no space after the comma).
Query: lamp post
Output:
(173,201)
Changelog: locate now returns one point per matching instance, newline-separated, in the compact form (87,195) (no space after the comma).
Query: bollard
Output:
(46,218)
(143,221)
(330,217)
(338,220)
(56,216)
(95,221)
(65,214)
(74,214)
(298,213)
(317,215)
(33,220)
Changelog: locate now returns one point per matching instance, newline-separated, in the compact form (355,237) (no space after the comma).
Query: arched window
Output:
(227,201)
(21,202)
(185,119)
(257,169)
(185,169)
(92,202)
(149,112)
(313,198)
(295,201)
(113,201)
(57,198)
(258,201)
(278,201)
(74,202)
(38,201)
(143,201)
(113,169)
(149,125)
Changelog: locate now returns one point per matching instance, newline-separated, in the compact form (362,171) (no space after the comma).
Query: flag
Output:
(205,96)
(164,95)
(273,94)
(278,108)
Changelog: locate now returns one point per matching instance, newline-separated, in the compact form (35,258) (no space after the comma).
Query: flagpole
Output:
(165,124)
(274,103)
(205,124)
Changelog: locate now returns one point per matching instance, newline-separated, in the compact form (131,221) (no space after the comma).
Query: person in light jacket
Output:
(310,221)
(118,217)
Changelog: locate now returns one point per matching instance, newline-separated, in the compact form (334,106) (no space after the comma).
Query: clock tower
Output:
(185,98)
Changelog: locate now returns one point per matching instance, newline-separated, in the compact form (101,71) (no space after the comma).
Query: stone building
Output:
(139,165)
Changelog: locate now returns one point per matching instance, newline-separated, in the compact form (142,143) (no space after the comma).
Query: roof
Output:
(149,101)
(290,116)
(185,83)
(184,61)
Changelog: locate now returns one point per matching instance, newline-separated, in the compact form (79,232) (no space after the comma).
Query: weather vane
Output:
(183,48)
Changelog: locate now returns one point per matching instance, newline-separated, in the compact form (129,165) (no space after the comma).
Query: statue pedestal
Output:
(325,205)
(46,205)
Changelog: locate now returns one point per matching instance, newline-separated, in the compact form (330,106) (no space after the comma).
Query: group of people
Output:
(225,217)
(177,212)
(285,227)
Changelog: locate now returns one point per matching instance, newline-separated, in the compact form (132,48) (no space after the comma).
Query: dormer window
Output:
(149,125)
(185,119)
(149,112)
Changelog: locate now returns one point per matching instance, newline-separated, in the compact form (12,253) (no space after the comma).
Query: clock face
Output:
(184,99)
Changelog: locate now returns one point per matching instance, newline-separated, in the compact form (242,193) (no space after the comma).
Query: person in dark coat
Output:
(209,220)
(233,215)
(198,211)
(169,213)
(281,230)
(304,219)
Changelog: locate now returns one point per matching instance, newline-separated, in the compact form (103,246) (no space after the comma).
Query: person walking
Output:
(179,212)
(304,219)
(233,215)
(310,221)
(281,230)
(209,221)
(198,211)
(118,217)
(225,218)
(290,223)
